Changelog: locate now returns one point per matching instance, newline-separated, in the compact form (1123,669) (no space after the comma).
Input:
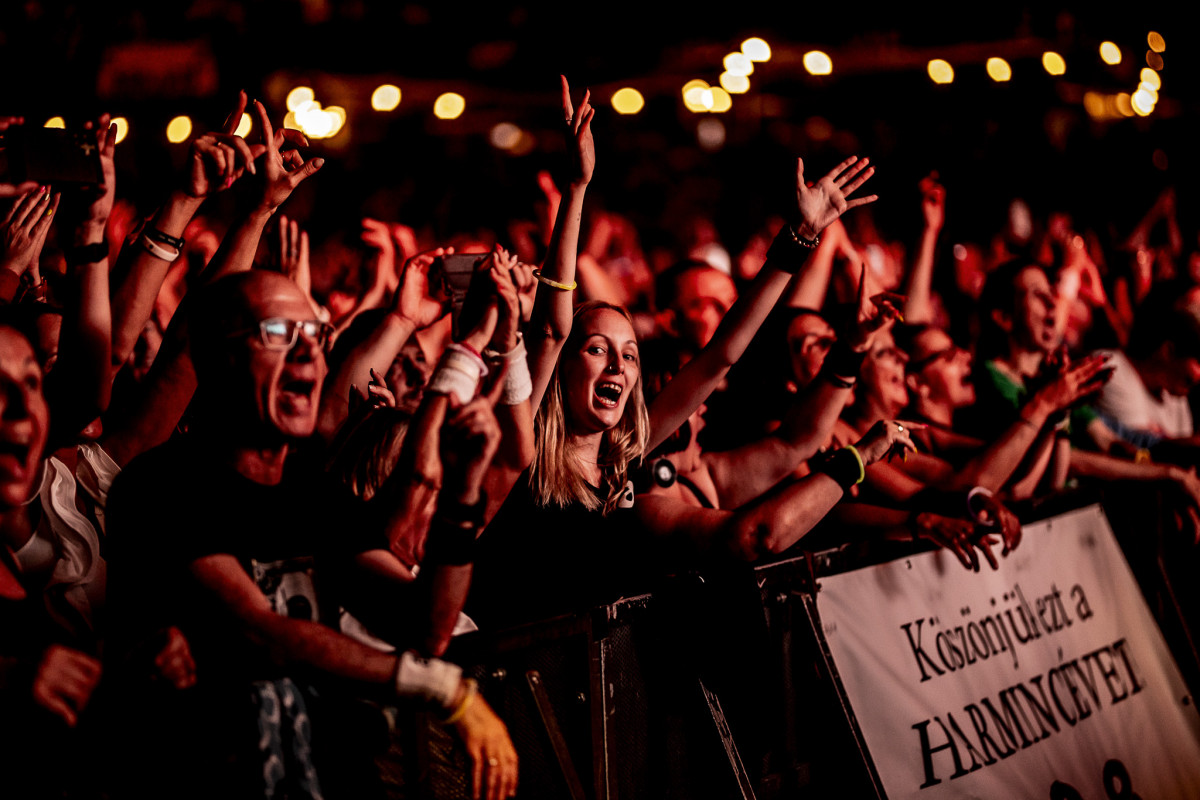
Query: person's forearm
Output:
(918,308)
(993,467)
(376,353)
(550,323)
(1097,465)
(136,291)
(311,644)
(236,253)
(811,284)
(775,524)
(703,374)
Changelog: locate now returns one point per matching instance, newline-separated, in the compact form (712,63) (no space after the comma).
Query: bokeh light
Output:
(998,69)
(298,96)
(1156,42)
(55,122)
(1110,53)
(735,84)
(505,136)
(941,71)
(1053,63)
(385,97)
(122,128)
(628,100)
(449,105)
(243,128)
(756,49)
(1124,106)
(722,102)
(817,63)
(1154,59)
(739,64)
(1150,78)
(710,134)
(179,129)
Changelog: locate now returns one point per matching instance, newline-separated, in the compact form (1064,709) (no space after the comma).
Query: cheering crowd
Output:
(246,505)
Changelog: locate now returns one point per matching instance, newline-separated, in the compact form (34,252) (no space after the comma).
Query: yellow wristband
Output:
(566,287)
(472,688)
(862,470)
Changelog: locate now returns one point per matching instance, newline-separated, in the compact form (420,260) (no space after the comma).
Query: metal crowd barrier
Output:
(721,686)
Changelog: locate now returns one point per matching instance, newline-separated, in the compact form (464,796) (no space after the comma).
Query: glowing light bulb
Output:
(739,64)
(1156,42)
(998,70)
(179,129)
(1053,63)
(628,100)
(941,71)
(817,63)
(244,126)
(1110,53)
(122,129)
(301,94)
(756,49)
(385,97)
(449,106)
(55,122)
(735,84)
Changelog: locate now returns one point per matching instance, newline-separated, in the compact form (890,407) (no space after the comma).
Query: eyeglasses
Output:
(950,353)
(279,333)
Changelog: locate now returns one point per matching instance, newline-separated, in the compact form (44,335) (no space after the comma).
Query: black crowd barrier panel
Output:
(721,686)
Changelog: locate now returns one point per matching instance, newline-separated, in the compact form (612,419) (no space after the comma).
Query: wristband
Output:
(157,250)
(563,287)
(976,511)
(518,383)
(457,375)
(156,235)
(86,254)
(843,362)
(428,679)
(470,689)
(845,466)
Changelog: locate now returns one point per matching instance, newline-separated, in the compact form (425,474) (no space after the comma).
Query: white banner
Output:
(1046,679)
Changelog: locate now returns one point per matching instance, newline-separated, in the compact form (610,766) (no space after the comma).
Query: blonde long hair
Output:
(554,480)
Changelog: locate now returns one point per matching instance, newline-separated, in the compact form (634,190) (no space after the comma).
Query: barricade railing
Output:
(723,685)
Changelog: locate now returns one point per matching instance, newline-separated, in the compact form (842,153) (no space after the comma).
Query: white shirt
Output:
(1126,399)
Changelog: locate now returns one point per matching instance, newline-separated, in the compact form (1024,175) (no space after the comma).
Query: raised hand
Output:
(887,438)
(281,173)
(522,275)
(579,135)
(1074,383)
(933,202)
(377,236)
(826,200)
(216,160)
(292,254)
(64,682)
(873,314)
(499,265)
(1003,521)
(417,299)
(23,229)
(95,216)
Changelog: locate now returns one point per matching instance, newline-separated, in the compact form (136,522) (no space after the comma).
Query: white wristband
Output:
(159,251)
(980,515)
(428,679)
(457,375)
(518,383)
